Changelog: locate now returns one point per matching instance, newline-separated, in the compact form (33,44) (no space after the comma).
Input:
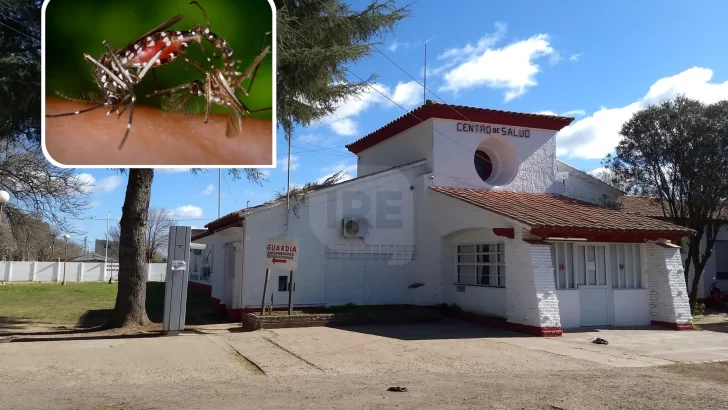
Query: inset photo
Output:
(164,83)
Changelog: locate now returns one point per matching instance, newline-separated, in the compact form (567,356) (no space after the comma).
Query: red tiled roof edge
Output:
(453,193)
(458,112)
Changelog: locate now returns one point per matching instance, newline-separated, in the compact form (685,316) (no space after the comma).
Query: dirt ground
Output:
(442,366)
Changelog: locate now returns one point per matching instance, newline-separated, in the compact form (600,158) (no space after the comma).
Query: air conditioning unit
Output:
(354,228)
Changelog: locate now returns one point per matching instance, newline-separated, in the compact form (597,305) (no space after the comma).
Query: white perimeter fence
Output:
(75,271)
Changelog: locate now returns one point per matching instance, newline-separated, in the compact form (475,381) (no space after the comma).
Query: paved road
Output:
(442,366)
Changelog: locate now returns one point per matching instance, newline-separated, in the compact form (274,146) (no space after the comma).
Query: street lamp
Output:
(66,237)
(4,199)
(106,249)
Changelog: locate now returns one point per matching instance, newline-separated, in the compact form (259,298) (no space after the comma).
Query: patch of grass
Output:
(54,303)
(87,304)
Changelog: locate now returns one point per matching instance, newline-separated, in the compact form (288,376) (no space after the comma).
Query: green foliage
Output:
(677,152)
(298,194)
(317,40)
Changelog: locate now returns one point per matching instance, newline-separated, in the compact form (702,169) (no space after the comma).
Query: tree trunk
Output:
(130,309)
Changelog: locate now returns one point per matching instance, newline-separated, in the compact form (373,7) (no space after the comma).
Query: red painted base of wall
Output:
(512,327)
(673,326)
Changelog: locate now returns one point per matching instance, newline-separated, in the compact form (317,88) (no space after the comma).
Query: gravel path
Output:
(330,368)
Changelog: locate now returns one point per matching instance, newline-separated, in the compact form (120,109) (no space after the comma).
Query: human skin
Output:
(156,138)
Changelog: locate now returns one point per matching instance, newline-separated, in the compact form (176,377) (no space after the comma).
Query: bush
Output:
(698,309)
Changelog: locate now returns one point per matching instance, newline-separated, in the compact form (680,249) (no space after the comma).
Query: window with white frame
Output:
(577,264)
(481,264)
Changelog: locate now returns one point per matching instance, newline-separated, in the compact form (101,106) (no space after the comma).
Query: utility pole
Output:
(288,184)
(84,244)
(219,173)
(424,86)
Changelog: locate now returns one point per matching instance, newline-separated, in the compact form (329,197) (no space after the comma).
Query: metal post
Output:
(65,259)
(424,86)
(1,214)
(265,291)
(106,250)
(290,293)
(288,183)
(219,173)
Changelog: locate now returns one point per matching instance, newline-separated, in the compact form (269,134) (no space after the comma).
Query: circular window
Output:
(483,165)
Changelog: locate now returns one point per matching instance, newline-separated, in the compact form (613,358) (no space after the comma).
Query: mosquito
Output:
(117,72)
(219,85)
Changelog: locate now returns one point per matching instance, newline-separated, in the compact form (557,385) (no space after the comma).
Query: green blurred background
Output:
(75,27)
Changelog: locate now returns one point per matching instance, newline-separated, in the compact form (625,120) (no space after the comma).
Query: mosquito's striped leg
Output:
(117,62)
(194,63)
(170,90)
(156,80)
(151,62)
(131,117)
(260,110)
(79,111)
(255,72)
(125,107)
(208,96)
(111,75)
(253,67)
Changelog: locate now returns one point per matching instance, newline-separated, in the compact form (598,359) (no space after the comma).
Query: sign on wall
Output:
(112,267)
(281,253)
(493,129)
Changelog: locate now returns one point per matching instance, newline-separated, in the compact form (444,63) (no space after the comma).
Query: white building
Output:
(465,206)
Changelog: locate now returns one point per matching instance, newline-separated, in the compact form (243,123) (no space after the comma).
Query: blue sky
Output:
(598,62)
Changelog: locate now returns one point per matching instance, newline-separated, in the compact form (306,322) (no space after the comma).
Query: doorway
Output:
(590,262)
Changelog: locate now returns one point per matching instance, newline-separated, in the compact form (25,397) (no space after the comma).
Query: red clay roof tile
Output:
(556,211)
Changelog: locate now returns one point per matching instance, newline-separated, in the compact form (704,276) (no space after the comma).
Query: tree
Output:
(677,152)
(159,220)
(36,186)
(317,39)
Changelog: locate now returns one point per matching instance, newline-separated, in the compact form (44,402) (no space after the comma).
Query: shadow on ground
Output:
(90,325)
(714,327)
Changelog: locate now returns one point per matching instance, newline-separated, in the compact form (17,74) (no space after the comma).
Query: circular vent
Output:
(352,227)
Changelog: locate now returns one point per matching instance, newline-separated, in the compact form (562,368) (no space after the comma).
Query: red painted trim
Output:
(505,232)
(673,326)
(457,112)
(607,236)
(536,242)
(211,231)
(513,327)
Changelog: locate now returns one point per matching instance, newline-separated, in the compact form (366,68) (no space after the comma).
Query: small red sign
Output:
(621,266)
(561,267)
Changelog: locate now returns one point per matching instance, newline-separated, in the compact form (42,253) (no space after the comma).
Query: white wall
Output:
(534,158)
(631,307)
(215,253)
(409,146)
(384,200)
(569,308)
(710,268)
(75,272)
(582,186)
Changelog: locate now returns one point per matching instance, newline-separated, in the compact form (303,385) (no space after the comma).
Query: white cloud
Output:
(343,120)
(570,113)
(393,47)
(597,135)
(187,211)
(89,183)
(94,204)
(283,163)
(348,169)
(108,184)
(575,57)
(309,138)
(574,113)
(171,170)
(208,190)
(86,182)
(512,68)
(345,127)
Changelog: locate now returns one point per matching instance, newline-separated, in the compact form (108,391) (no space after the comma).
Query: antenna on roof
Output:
(424,86)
